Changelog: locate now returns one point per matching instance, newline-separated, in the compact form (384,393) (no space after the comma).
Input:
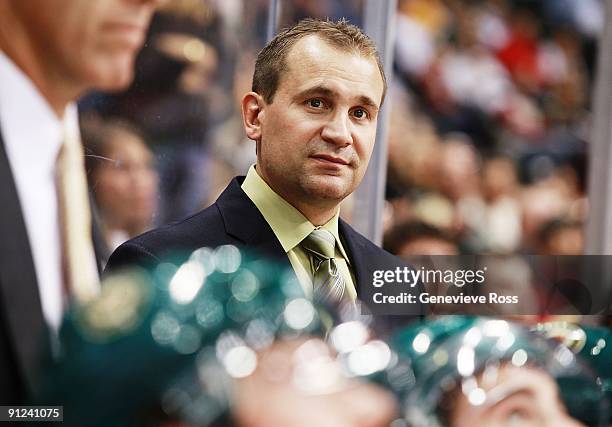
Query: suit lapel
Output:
(357,253)
(99,243)
(244,222)
(20,304)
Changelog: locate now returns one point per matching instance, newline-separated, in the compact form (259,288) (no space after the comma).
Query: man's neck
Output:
(316,216)
(318,213)
(16,45)
(55,94)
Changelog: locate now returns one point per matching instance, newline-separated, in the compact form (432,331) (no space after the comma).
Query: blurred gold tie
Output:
(328,283)
(78,257)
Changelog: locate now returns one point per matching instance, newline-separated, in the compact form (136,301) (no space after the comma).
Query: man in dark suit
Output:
(50,53)
(312,112)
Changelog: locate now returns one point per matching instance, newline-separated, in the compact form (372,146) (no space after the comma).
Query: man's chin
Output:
(331,189)
(114,76)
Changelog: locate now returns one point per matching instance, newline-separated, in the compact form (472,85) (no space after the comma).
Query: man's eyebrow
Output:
(329,93)
(368,102)
(316,90)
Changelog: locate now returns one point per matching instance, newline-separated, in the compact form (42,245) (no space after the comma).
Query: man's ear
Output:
(252,115)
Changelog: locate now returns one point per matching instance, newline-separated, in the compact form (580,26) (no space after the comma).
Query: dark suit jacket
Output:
(24,335)
(234,219)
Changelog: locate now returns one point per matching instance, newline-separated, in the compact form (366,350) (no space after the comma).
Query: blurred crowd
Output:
(488,130)
(488,138)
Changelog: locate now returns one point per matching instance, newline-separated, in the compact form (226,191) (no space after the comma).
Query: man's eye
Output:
(315,103)
(360,113)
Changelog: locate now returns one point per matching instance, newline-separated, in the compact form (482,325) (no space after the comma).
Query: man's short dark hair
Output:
(272,60)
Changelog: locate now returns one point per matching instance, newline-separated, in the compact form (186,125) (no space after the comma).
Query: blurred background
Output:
(487,140)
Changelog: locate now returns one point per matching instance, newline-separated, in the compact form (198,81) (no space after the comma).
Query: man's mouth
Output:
(130,33)
(330,159)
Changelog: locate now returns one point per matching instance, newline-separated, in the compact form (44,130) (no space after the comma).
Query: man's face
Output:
(83,42)
(126,189)
(318,133)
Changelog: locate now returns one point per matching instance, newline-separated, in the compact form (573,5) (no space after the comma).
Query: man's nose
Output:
(337,130)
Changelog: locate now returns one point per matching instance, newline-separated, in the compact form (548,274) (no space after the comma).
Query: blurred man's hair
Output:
(272,60)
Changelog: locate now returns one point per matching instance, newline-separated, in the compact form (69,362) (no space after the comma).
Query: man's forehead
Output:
(314,59)
(312,45)
(309,43)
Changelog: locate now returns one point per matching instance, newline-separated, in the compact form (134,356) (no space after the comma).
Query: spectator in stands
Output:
(122,176)
(419,238)
(561,237)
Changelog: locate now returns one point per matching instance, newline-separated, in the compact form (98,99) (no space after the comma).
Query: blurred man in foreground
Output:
(51,52)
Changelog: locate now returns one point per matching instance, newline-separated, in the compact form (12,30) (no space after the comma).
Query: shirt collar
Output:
(288,224)
(30,128)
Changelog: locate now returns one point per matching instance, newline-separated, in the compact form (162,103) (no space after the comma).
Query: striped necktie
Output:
(328,283)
